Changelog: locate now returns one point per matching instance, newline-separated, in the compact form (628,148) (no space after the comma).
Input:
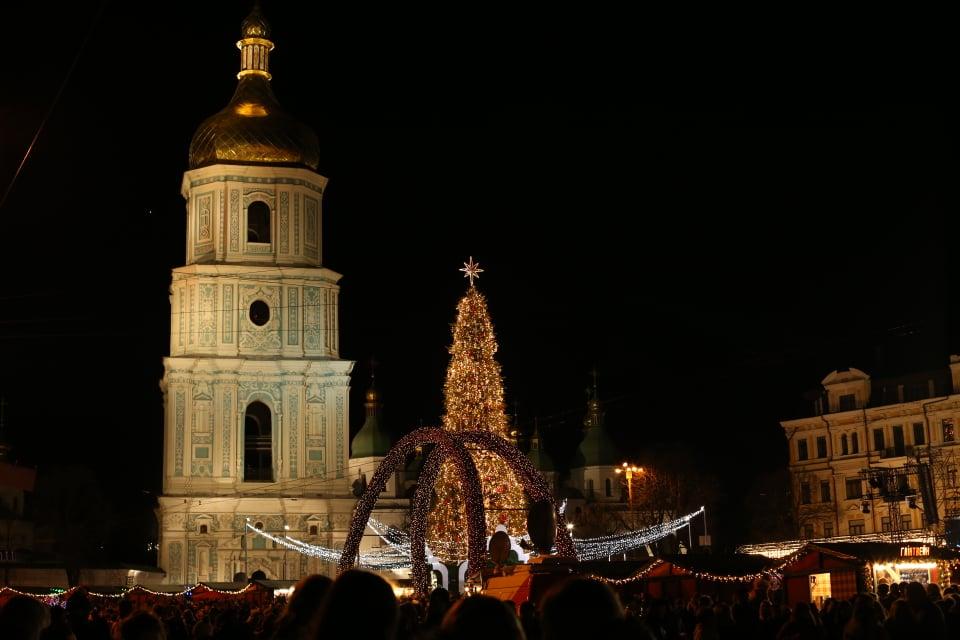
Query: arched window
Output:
(258,222)
(203,528)
(257,444)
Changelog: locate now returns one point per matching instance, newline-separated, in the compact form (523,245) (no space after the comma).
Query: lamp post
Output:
(629,470)
(243,539)
(286,534)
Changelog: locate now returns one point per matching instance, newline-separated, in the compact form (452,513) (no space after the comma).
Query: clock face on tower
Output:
(259,313)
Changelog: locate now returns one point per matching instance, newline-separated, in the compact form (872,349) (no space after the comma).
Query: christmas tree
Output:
(473,400)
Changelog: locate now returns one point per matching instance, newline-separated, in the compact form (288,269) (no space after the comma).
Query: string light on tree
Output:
(473,400)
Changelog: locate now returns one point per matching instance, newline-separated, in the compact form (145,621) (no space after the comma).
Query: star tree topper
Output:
(471,270)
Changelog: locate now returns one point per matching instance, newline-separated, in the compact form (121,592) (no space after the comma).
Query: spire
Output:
(372,398)
(255,45)
(594,416)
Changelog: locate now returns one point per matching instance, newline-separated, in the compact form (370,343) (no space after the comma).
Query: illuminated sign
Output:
(914,552)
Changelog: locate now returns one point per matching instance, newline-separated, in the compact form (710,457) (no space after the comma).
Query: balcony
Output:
(897,452)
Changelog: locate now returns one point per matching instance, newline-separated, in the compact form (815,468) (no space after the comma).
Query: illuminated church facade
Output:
(256,395)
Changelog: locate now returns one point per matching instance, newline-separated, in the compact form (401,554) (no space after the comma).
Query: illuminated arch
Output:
(446,447)
(449,445)
(533,484)
(531,479)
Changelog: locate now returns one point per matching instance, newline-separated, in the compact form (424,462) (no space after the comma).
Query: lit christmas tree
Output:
(473,400)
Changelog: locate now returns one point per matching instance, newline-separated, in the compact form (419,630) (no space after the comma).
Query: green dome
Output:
(371,441)
(541,460)
(596,450)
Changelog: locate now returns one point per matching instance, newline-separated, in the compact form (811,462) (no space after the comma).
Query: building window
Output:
(824,491)
(844,450)
(257,444)
(805,493)
(899,444)
(827,529)
(918,436)
(906,522)
(259,525)
(807,531)
(590,488)
(259,313)
(848,402)
(258,222)
(607,489)
(948,433)
(856,527)
(885,524)
(878,443)
(854,443)
(313,529)
(203,528)
(802,449)
(952,476)
(821,447)
(903,486)
(854,489)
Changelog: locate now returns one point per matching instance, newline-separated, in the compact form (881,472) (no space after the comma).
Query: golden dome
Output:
(253,128)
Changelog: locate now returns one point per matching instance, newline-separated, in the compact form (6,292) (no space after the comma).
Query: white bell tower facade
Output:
(256,397)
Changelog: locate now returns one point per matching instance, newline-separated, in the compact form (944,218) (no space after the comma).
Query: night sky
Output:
(713,261)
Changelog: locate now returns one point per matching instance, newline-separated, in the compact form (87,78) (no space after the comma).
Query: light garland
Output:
(639,575)
(587,548)
(59,595)
(786,547)
(683,571)
(620,543)
(382,561)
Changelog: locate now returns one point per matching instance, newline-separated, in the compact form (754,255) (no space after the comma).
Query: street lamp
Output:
(629,470)
(244,540)
(286,534)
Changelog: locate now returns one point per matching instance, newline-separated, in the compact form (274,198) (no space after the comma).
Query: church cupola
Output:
(372,440)
(253,128)
(253,192)
(596,449)
(540,458)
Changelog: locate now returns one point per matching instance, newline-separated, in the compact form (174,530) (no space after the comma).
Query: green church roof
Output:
(372,440)
(541,460)
(596,450)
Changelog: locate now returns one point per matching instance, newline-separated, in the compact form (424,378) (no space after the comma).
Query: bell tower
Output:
(255,392)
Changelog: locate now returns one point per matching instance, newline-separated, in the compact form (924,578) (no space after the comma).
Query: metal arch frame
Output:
(449,445)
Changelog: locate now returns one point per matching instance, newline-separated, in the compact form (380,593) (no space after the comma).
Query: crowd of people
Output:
(360,605)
